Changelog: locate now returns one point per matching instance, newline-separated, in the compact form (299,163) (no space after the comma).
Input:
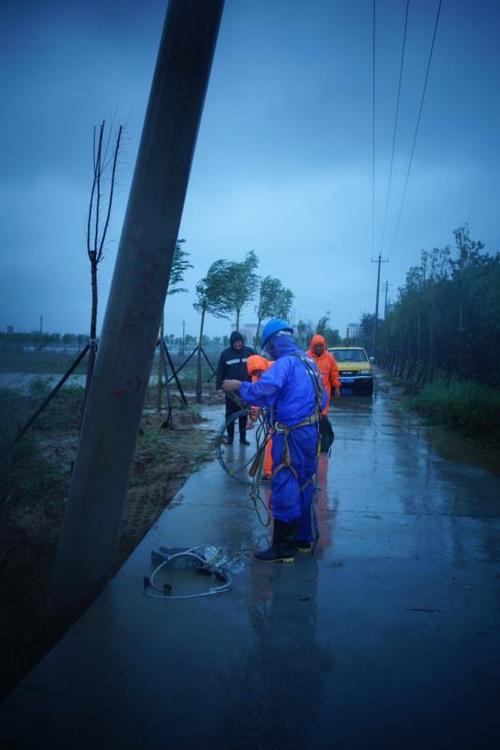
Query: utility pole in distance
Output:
(375,323)
(387,285)
(130,330)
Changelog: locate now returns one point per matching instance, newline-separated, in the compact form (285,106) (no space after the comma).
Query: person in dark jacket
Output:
(233,365)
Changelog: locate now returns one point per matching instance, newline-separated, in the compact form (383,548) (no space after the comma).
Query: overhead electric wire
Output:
(416,128)
(373,125)
(396,120)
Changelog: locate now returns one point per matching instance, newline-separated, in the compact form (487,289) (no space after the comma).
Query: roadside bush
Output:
(14,412)
(463,405)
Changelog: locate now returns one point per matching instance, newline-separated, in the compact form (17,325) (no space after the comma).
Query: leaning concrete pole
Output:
(130,329)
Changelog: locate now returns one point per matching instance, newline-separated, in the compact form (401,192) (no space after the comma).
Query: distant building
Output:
(10,329)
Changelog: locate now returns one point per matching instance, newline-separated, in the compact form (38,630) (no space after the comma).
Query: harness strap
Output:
(285,428)
(304,485)
(310,420)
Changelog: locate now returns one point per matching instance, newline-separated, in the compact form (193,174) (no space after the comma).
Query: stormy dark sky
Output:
(283,163)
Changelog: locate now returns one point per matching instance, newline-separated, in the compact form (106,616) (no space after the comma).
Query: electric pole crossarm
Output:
(130,329)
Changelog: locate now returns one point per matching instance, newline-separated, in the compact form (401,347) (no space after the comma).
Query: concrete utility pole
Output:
(130,329)
(375,323)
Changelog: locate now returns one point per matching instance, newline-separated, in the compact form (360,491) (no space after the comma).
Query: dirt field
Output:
(32,501)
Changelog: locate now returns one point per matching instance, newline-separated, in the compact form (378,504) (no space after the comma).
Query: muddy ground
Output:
(32,507)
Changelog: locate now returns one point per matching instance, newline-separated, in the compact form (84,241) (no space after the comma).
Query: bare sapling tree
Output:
(105,160)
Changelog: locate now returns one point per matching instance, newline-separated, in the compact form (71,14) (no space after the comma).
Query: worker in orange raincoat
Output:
(256,365)
(329,371)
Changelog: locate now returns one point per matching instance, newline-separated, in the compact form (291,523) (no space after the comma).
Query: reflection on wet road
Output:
(390,637)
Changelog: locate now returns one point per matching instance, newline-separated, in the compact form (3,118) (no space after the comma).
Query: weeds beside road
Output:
(464,406)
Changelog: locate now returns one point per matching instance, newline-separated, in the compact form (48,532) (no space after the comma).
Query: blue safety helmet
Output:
(273,327)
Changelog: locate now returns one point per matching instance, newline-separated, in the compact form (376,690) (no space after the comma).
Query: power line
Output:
(416,128)
(396,120)
(373,124)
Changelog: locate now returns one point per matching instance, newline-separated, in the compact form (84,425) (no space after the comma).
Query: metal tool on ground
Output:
(202,559)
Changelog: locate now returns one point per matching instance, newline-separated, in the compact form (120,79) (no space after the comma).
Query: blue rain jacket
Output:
(289,388)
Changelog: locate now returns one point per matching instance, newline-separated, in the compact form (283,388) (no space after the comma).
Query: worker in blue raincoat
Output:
(293,392)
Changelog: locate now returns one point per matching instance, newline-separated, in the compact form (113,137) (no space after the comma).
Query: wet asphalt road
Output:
(388,638)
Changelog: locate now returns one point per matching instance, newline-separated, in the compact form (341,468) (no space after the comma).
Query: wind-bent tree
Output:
(180,265)
(99,214)
(284,303)
(211,297)
(269,290)
(275,301)
(242,283)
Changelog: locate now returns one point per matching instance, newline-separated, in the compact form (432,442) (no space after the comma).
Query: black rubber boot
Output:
(305,547)
(282,547)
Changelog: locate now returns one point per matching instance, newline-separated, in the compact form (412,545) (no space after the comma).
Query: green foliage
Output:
(284,303)
(180,265)
(14,456)
(228,287)
(14,412)
(275,301)
(39,388)
(331,335)
(463,405)
(243,283)
(367,325)
(211,291)
(447,317)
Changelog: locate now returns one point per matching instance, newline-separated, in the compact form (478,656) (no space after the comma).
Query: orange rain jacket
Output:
(327,365)
(256,362)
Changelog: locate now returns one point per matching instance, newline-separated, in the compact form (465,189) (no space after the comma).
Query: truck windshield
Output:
(350,355)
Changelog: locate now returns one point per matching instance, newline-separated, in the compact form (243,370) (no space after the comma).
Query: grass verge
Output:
(464,406)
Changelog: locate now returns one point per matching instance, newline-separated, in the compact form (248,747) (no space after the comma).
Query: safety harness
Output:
(286,462)
(255,470)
